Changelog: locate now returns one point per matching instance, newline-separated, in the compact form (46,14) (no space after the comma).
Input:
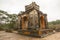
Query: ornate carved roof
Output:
(29,8)
(32,5)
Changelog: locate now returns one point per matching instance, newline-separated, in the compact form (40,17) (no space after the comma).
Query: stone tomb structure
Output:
(32,18)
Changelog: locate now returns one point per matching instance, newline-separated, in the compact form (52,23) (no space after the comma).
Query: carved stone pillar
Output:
(21,23)
(39,20)
(46,22)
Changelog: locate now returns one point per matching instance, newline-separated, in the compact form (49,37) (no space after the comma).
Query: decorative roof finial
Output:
(32,5)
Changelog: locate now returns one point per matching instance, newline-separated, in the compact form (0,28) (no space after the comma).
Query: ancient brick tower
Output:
(32,18)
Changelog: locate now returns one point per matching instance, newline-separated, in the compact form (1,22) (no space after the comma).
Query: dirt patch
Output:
(15,36)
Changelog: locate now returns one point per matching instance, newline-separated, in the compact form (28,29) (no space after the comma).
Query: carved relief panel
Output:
(33,19)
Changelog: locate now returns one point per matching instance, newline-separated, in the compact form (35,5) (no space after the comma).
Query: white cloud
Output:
(51,7)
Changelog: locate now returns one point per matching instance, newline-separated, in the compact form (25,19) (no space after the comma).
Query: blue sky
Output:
(50,7)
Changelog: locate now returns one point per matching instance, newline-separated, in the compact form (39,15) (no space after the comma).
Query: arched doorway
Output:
(24,22)
(42,22)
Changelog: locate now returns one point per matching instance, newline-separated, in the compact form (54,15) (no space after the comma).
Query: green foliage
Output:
(54,22)
(54,25)
(9,20)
